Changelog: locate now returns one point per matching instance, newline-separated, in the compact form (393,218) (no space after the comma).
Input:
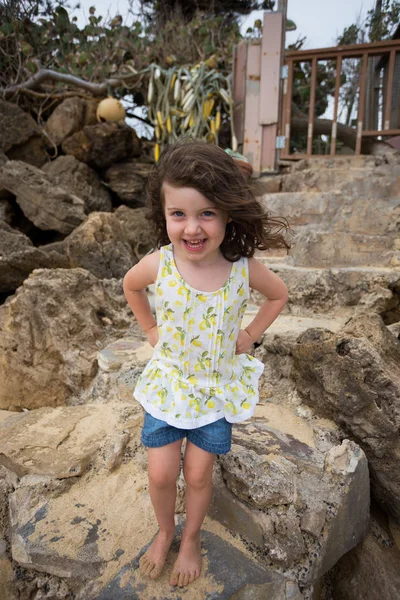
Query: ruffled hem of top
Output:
(190,405)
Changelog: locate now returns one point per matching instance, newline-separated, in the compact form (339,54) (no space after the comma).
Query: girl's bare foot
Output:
(187,567)
(152,563)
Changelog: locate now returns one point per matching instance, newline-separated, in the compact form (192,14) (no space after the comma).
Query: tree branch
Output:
(97,89)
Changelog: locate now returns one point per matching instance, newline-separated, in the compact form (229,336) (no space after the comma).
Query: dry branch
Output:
(97,89)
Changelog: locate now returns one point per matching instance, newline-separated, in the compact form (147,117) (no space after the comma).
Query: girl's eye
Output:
(177,213)
(208,213)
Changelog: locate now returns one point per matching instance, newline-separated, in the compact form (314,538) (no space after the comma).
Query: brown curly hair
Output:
(212,172)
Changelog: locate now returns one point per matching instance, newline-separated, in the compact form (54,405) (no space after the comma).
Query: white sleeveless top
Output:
(194,376)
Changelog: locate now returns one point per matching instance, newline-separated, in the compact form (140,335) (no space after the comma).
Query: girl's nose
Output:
(192,226)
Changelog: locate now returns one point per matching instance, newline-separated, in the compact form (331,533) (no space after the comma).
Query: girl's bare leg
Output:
(197,469)
(164,466)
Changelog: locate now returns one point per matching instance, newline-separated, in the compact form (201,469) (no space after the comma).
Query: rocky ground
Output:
(291,516)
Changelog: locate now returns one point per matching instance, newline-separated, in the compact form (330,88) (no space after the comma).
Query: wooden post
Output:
(361,103)
(270,86)
(336,104)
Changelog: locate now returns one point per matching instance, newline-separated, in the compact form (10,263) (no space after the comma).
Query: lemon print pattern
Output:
(194,376)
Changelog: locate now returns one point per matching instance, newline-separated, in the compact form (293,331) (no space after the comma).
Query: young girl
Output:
(200,379)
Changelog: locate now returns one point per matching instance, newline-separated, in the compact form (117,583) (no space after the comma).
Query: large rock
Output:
(17,126)
(21,137)
(46,205)
(128,180)
(103,144)
(75,176)
(139,232)
(100,246)
(73,464)
(19,257)
(353,377)
(51,331)
(295,497)
(69,117)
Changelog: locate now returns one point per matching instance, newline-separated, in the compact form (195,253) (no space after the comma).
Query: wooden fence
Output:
(270,125)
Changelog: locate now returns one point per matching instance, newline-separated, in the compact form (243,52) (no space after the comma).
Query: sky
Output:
(321,21)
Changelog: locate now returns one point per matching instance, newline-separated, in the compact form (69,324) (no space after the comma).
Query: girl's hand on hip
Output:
(152,335)
(244,342)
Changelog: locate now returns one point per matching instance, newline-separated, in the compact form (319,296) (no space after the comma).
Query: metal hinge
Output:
(280,142)
(285,72)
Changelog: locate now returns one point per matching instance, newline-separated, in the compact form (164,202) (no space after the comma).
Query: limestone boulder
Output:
(62,524)
(139,232)
(19,257)
(100,246)
(75,176)
(69,117)
(128,180)
(353,377)
(16,125)
(21,137)
(52,329)
(103,144)
(291,497)
(47,206)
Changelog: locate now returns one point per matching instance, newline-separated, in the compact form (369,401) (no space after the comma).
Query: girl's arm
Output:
(135,282)
(276,294)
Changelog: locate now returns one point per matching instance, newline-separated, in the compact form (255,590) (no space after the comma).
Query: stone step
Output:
(318,248)
(297,324)
(340,290)
(368,206)
(350,162)
(325,180)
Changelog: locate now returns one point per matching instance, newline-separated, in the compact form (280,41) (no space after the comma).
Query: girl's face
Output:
(195,226)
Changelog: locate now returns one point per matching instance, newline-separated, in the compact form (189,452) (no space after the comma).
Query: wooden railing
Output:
(382,81)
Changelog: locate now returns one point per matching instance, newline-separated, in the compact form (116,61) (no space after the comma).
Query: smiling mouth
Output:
(194,245)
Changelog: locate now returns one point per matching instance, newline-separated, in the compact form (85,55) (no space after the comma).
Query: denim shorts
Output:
(215,437)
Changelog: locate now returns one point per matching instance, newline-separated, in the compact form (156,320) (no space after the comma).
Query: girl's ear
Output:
(229,220)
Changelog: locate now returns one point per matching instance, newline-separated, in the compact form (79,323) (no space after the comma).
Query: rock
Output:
(6,211)
(271,184)
(222,556)
(103,144)
(128,180)
(69,117)
(352,377)
(44,441)
(277,478)
(139,232)
(81,180)
(17,126)
(369,572)
(33,152)
(18,258)
(99,245)
(47,206)
(322,249)
(356,289)
(61,522)
(52,329)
